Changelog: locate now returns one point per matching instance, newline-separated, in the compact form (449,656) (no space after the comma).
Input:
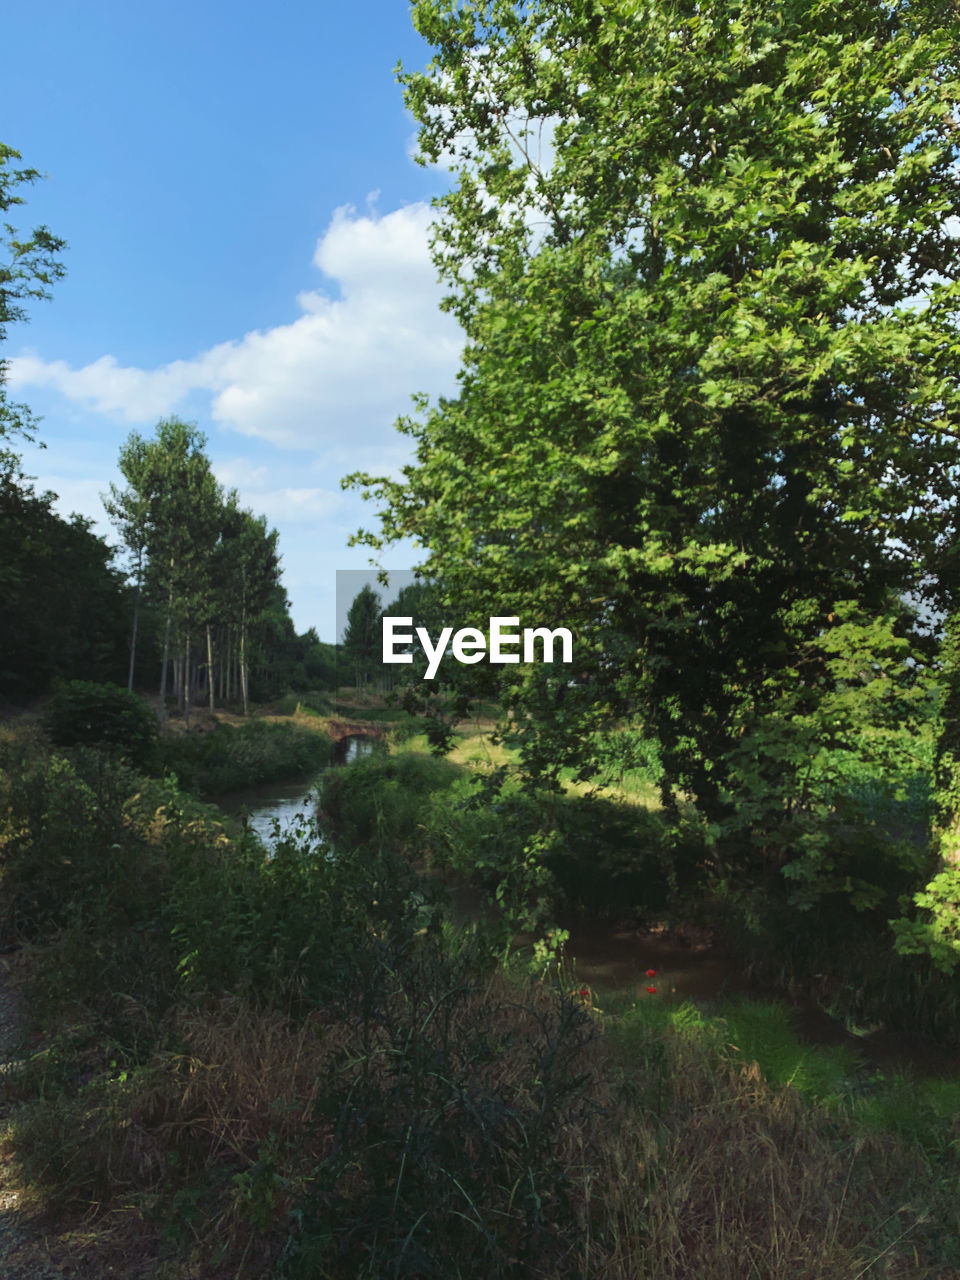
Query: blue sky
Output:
(247,241)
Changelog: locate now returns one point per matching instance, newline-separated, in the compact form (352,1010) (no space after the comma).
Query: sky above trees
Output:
(247,249)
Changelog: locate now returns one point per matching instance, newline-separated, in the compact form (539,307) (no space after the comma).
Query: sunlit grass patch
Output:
(762,1031)
(475,748)
(633,789)
(759,1031)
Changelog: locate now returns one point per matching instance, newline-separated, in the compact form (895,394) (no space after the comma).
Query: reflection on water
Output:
(617,959)
(284,803)
(289,804)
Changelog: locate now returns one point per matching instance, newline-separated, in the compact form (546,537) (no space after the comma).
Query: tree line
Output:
(209,567)
(202,614)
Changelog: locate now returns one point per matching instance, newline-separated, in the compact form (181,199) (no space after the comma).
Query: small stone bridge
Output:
(340,729)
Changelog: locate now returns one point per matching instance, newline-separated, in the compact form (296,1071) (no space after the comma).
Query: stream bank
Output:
(261,808)
(613,960)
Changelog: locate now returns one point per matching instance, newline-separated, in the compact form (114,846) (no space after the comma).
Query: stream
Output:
(283,802)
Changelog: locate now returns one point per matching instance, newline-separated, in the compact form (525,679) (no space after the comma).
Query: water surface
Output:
(286,803)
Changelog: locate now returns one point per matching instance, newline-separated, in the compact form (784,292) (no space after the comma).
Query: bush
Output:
(384,798)
(261,751)
(82,713)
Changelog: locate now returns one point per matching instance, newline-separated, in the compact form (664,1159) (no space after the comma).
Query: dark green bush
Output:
(384,798)
(229,759)
(82,713)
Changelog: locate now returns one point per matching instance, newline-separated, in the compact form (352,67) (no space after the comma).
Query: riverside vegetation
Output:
(305,1064)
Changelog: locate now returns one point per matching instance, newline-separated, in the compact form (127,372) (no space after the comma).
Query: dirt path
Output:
(25,1249)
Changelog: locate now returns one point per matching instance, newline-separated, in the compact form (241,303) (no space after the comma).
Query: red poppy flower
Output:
(652,990)
(651,973)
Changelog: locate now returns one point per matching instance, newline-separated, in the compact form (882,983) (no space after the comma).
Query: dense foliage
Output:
(360,644)
(293,1065)
(230,758)
(707,265)
(63,609)
(82,713)
(208,572)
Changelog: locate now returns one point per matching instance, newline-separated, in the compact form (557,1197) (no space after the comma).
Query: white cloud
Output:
(80,496)
(133,395)
(295,506)
(236,473)
(343,370)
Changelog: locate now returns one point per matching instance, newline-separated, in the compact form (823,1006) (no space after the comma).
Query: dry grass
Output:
(721,1178)
(238,1129)
(202,720)
(749,1180)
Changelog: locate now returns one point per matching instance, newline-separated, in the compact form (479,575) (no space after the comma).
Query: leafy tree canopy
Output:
(707,263)
(28,267)
(362,635)
(706,258)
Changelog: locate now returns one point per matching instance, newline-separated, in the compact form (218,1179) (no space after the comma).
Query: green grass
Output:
(922,1112)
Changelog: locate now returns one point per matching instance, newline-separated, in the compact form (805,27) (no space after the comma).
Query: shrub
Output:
(384,798)
(82,713)
(261,751)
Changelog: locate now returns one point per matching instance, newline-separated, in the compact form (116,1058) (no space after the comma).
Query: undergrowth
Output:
(291,1065)
(230,758)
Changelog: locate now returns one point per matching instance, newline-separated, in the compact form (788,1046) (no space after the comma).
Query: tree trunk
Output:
(166,652)
(186,678)
(210,666)
(136,622)
(243,661)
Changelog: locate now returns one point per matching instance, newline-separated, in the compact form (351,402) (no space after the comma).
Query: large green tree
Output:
(130,511)
(210,565)
(61,602)
(169,512)
(255,584)
(706,260)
